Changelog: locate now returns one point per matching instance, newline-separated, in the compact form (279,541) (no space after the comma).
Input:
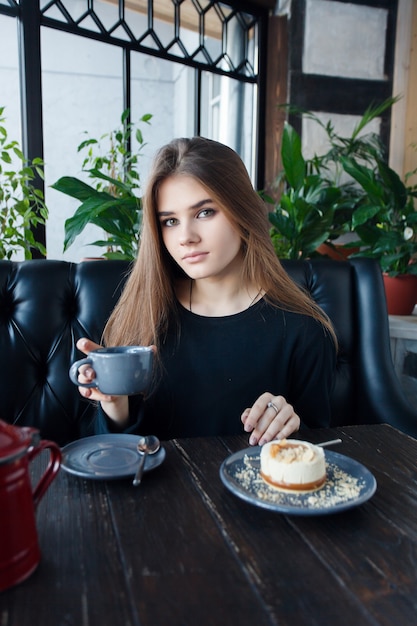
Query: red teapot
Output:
(19,548)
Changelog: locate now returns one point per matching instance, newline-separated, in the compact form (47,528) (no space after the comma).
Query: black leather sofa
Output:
(45,306)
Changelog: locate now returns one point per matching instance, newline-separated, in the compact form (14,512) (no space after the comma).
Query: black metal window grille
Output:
(210,20)
(228,41)
(9,3)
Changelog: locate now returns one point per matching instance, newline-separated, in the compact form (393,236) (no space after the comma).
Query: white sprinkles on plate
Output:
(339,488)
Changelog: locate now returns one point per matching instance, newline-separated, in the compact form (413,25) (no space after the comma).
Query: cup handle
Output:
(51,470)
(73,373)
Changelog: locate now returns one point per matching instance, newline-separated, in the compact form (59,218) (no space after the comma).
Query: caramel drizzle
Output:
(313,486)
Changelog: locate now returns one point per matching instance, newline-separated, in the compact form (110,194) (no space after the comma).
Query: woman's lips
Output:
(194,257)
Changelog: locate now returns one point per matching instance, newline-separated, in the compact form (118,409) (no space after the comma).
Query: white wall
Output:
(345,40)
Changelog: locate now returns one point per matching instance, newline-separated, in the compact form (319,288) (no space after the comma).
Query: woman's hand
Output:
(116,407)
(271,417)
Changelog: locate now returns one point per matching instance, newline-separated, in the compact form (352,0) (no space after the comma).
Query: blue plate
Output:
(105,457)
(348,484)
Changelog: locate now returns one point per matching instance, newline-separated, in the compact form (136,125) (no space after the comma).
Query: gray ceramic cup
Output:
(120,371)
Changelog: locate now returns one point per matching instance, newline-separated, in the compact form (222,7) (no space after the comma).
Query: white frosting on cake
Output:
(293,464)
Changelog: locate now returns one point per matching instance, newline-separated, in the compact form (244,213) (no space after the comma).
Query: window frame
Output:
(30,19)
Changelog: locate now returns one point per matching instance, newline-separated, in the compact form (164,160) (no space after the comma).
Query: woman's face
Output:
(195,230)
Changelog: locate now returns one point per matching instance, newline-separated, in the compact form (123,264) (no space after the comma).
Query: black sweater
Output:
(215,367)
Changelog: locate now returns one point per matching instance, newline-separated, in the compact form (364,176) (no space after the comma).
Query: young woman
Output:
(237,343)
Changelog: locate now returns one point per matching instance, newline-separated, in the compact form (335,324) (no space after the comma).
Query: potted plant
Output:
(304,216)
(385,223)
(112,202)
(316,198)
(22,206)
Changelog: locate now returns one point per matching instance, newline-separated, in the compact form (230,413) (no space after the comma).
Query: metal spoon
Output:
(146,445)
(332,442)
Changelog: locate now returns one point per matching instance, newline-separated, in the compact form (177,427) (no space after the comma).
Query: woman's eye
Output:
(170,221)
(206,213)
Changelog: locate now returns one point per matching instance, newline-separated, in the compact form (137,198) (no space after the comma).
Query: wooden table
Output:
(182,550)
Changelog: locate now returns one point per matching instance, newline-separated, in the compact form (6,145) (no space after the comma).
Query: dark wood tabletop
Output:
(182,550)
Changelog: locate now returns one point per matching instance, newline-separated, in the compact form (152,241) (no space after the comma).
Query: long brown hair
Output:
(148,301)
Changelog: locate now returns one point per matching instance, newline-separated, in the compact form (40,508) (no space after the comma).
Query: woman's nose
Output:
(188,234)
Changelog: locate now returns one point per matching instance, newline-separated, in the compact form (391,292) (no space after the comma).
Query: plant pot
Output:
(401,293)
(337,252)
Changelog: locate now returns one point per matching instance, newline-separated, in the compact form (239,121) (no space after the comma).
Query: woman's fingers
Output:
(270,417)
(92,393)
(86,345)
(86,373)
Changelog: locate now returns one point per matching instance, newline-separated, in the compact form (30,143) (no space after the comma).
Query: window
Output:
(192,64)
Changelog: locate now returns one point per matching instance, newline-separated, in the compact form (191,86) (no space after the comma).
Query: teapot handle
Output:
(51,469)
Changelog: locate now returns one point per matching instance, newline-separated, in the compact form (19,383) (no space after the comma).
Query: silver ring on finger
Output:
(271,405)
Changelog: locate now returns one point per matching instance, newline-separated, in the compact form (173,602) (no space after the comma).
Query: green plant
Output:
(316,197)
(385,218)
(112,202)
(303,216)
(22,206)
(364,147)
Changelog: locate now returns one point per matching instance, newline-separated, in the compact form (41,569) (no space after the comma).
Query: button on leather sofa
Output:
(46,306)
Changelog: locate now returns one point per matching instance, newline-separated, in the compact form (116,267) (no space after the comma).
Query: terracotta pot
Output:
(401,293)
(336,252)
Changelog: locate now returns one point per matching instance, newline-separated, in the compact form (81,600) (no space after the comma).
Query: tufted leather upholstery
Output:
(45,306)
